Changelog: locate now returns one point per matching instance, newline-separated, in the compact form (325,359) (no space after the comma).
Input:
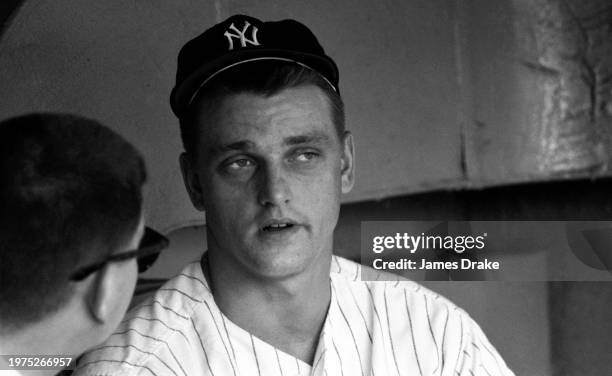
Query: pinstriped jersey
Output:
(371,329)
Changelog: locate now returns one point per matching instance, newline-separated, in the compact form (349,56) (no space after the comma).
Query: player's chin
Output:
(281,267)
(275,252)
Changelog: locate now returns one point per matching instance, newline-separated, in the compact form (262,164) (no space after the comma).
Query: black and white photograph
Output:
(306,188)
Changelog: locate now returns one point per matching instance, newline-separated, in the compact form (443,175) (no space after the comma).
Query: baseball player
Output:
(267,158)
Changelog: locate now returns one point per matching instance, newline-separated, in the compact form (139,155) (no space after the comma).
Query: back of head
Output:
(70,193)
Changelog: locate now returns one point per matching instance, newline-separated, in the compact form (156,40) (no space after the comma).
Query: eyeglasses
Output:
(151,244)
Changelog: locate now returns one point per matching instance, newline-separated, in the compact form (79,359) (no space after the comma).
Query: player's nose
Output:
(274,189)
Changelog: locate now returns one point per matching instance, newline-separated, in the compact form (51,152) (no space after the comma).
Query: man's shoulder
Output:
(400,307)
(155,333)
(413,319)
(388,286)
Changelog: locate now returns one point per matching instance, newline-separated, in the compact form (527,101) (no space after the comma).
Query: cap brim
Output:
(183,94)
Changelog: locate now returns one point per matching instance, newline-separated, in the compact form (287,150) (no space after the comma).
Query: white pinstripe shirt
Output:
(371,329)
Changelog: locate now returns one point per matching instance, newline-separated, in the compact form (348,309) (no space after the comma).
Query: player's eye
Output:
(239,164)
(306,156)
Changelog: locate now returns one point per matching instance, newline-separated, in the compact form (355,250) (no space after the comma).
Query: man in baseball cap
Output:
(267,158)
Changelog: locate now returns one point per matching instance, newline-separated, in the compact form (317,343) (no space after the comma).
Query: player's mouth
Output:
(278,226)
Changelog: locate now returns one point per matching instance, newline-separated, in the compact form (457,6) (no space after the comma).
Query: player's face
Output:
(269,174)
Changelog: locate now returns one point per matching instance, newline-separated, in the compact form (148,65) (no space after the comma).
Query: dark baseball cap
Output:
(242,39)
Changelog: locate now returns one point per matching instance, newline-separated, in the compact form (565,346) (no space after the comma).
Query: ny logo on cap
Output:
(240,34)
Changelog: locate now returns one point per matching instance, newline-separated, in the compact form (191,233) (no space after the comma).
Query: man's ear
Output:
(347,162)
(192,183)
(101,295)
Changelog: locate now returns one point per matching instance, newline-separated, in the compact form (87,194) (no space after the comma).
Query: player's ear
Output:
(192,181)
(347,162)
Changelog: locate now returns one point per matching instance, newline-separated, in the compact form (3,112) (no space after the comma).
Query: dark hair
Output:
(266,77)
(70,194)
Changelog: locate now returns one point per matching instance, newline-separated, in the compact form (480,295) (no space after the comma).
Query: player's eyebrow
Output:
(243,145)
(312,138)
(315,137)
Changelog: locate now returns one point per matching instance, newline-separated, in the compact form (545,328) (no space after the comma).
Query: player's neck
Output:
(288,313)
